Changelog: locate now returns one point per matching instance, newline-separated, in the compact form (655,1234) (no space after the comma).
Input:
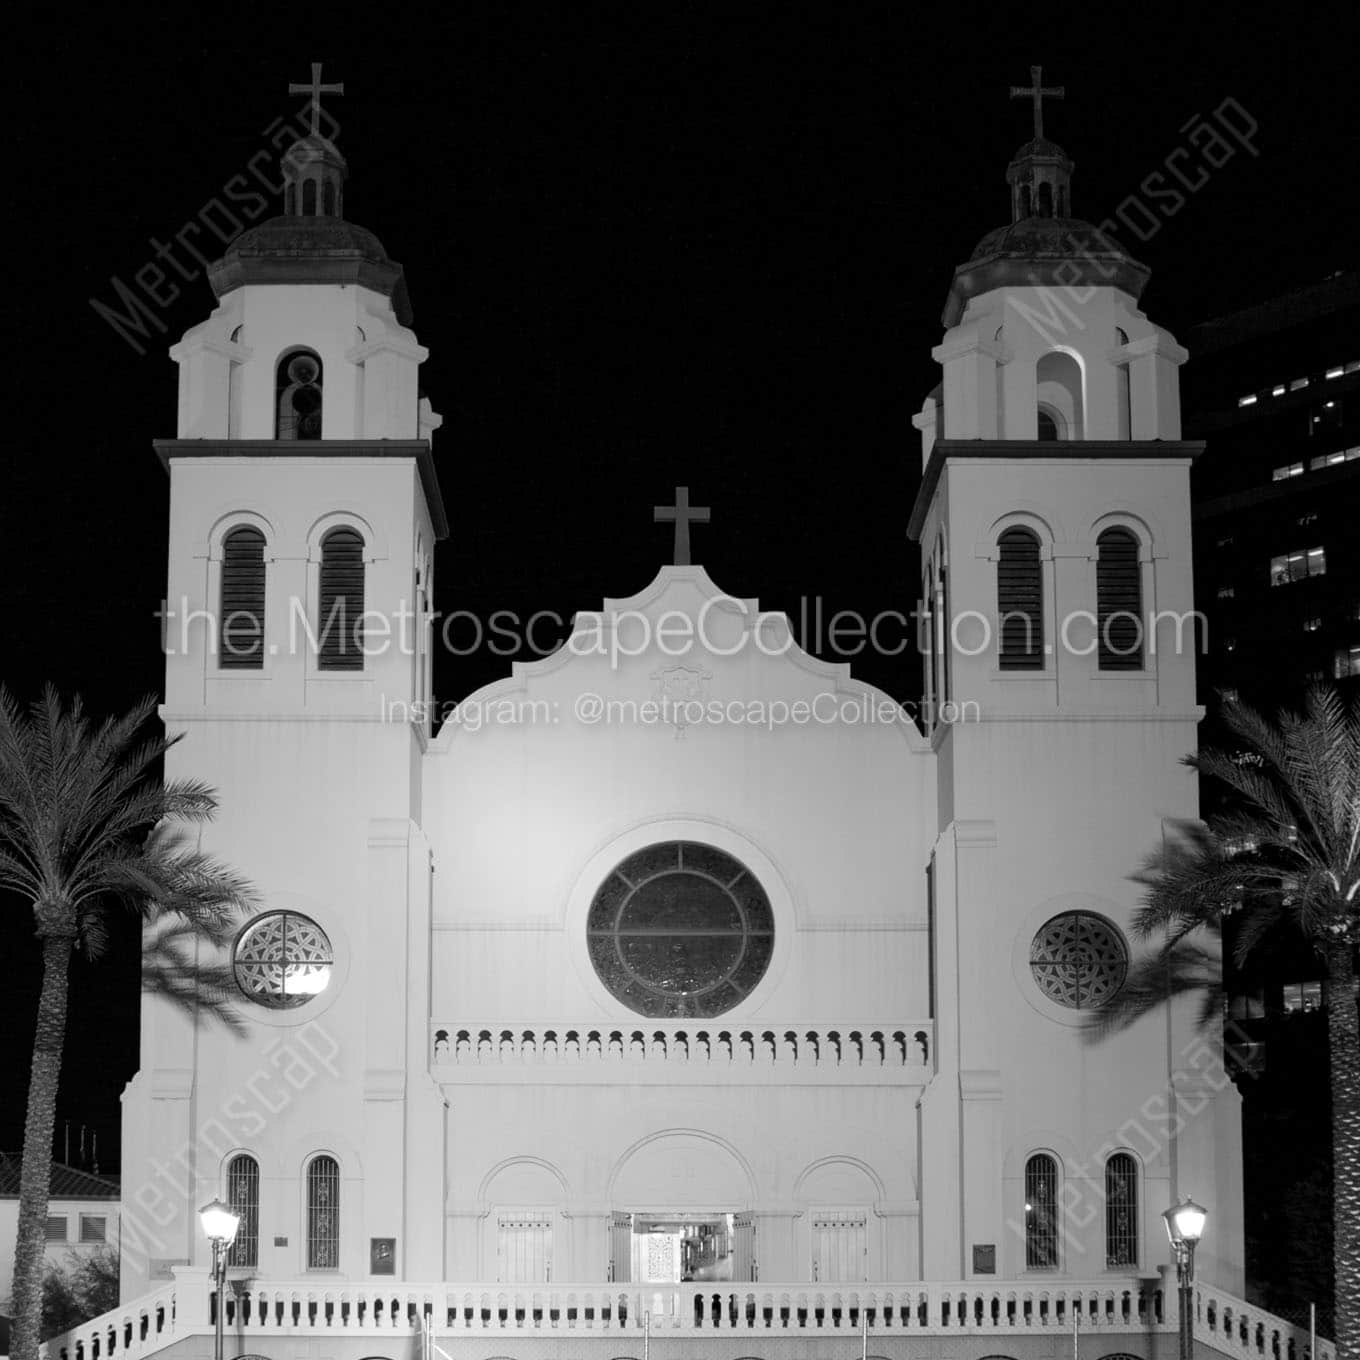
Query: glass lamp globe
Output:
(1185,1223)
(219,1222)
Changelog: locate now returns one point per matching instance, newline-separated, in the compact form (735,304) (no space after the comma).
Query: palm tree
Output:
(87,824)
(1284,855)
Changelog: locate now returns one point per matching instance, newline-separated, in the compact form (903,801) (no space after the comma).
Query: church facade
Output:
(681,980)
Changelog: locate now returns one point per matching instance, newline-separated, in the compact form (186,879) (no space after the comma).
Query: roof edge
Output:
(419,449)
(1032,449)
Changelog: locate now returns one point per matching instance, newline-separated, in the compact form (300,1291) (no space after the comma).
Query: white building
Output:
(759,1017)
(82,1217)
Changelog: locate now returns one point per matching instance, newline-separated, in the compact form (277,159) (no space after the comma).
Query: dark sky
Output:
(645,245)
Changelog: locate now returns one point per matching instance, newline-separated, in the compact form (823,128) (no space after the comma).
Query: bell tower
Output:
(1055,531)
(304,513)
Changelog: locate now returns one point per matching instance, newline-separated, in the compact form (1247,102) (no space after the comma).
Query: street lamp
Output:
(1184,1226)
(219,1227)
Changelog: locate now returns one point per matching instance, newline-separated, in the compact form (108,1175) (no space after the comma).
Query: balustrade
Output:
(308,1307)
(700,1044)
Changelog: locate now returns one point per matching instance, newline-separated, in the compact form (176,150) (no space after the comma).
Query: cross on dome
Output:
(1034,93)
(316,89)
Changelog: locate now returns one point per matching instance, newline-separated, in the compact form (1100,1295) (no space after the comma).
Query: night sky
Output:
(645,245)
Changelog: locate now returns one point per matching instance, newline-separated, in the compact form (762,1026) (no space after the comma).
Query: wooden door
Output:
(524,1248)
(839,1246)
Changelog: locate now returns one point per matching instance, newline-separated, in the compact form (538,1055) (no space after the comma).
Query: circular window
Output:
(680,929)
(283,960)
(1079,960)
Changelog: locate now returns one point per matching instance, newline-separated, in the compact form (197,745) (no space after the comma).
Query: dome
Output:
(313,148)
(293,249)
(1040,146)
(1060,252)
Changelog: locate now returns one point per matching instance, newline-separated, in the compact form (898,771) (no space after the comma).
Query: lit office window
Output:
(1346,663)
(1247,401)
(1289,470)
(1311,625)
(1296,566)
(1301,997)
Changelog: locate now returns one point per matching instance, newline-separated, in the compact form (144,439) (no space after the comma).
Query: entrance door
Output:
(621,1248)
(744,1247)
(839,1246)
(524,1248)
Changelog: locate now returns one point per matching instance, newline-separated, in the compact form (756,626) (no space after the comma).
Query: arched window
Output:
(1058,387)
(933,677)
(1121,1210)
(1019,601)
(243,1194)
(339,625)
(1049,430)
(328,199)
(944,632)
(1026,201)
(1045,200)
(1119,601)
(297,391)
(309,198)
(323,1213)
(1041,1213)
(240,624)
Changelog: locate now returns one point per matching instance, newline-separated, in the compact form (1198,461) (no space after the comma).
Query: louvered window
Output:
(323,1214)
(1121,1210)
(1041,1213)
(1119,601)
(243,1194)
(339,633)
(1019,601)
(240,627)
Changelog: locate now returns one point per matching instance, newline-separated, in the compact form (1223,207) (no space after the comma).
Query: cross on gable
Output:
(1036,93)
(683,514)
(316,89)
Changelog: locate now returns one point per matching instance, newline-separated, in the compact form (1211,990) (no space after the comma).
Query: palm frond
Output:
(1178,969)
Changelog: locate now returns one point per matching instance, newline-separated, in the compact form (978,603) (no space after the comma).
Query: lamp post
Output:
(219,1227)
(1184,1226)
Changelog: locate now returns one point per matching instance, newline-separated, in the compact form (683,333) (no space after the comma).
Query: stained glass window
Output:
(243,1194)
(1121,1210)
(323,1213)
(1041,1213)
(680,929)
(283,960)
(1079,960)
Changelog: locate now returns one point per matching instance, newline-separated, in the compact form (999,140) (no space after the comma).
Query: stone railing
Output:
(692,1044)
(1227,1324)
(314,1308)
(140,1327)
